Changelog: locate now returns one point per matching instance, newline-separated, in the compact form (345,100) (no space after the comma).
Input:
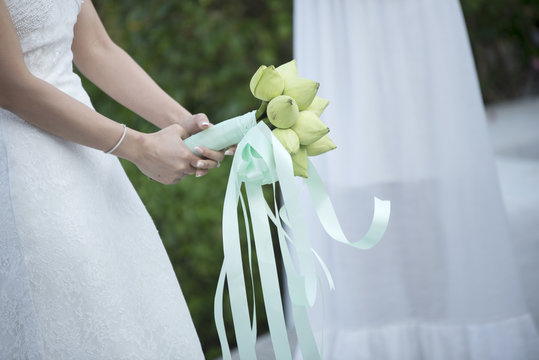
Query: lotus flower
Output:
(288,138)
(283,111)
(309,128)
(266,83)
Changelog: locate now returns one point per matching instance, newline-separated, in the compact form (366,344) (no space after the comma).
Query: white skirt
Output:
(83,271)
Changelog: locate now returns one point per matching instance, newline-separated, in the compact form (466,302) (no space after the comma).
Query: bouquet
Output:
(290,108)
(274,145)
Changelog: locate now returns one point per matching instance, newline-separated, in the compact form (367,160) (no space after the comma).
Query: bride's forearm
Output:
(48,108)
(117,74)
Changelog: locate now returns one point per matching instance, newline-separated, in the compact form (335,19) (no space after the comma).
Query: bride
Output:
(83,272)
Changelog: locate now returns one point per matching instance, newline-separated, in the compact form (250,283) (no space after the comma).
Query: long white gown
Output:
(407,116)
(83,271)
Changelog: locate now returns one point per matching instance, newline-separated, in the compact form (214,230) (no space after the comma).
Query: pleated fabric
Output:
(407,116)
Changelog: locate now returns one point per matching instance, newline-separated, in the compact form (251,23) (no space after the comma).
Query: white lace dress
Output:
(83,271)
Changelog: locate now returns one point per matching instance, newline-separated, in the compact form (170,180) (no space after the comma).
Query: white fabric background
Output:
(407,116)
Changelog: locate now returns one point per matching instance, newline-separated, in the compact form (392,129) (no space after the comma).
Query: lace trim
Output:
(28,16)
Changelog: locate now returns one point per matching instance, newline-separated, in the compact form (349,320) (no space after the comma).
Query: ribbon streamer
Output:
(260,159)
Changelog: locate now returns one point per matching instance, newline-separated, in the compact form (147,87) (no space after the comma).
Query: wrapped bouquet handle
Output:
(270,152)
(223,134)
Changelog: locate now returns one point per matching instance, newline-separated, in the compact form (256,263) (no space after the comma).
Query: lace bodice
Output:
(45,30)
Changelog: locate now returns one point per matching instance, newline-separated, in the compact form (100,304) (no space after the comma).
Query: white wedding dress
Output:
(83,271)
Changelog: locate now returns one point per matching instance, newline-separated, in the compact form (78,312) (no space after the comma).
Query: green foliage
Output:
(501,33)
(203,54)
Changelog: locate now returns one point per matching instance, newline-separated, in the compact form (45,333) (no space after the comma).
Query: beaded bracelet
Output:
(120,141)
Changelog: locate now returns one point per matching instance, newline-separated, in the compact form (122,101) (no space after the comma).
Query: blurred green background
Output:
(203,53)
(505,40)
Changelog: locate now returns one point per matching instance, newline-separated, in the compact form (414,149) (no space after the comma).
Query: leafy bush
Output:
(505,41)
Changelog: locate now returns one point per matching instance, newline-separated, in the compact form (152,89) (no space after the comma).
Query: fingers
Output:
(189,163)
(217,156)
(201,122)
(206,164)
(179,130)
(201,172)
(213,160)
(231,150)
(190,170)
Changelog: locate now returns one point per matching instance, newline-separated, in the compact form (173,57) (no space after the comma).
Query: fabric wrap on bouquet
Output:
(260,159)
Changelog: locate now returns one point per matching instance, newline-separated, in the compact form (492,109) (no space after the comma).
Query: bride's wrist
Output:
(132,146)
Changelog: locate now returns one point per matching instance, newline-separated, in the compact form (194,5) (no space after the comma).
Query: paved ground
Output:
(514,130)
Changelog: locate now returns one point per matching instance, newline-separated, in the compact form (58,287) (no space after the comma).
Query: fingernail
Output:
(198,149)
(200,164)
(198,174)
(218,164)
(229,152)
(205,124)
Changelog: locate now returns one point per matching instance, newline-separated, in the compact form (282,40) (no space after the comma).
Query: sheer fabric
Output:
(408,120)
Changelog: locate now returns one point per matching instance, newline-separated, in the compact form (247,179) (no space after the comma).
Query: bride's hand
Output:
(195,123)
(165,158)
(198,122)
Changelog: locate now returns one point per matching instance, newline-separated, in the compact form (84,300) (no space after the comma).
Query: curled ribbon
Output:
(260,159)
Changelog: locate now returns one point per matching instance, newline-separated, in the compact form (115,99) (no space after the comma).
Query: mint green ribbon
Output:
(260,159)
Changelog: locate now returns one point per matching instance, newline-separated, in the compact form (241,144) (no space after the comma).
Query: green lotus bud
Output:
(288,70)
(288,138)
(300,162)
(309,128)
(266,83)
(318,105)
(256,78)
(320,146)
(302,90)
(260,113)
(283,111)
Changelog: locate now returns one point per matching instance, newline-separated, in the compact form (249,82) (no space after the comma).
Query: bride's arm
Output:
(117,74)
(161,155)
